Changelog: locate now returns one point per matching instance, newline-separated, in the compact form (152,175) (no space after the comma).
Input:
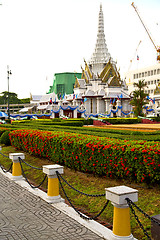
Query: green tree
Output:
(25,100)
(12,98)
(139,98)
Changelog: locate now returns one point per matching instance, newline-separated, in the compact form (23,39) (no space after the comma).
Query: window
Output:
(158,71)
(145,74)
(152,91)
(155,71)
(148,82)
(149,73)
(148,91)
(137,75)
(151,82)
(142,74)
(134,76)
(154,81)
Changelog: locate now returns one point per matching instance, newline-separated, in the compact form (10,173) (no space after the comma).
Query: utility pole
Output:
(8,74)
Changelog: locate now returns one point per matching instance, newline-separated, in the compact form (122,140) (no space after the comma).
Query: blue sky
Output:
(43,37)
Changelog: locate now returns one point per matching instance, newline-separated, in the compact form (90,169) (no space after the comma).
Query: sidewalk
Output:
(24,215)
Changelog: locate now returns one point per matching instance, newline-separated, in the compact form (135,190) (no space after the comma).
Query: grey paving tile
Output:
(26,216)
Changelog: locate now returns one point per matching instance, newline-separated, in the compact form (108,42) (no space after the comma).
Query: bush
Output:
(4,139)
(123,120)
(114,158)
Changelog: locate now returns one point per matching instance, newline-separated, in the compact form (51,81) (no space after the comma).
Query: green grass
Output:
(148,201)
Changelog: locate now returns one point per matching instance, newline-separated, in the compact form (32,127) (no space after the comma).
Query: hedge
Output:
(3,129)
(122,120)
(114,158)
(50,122)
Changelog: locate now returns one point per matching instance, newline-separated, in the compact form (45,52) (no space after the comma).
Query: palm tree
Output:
(139,98)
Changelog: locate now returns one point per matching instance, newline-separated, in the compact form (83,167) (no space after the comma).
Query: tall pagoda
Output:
(100,83)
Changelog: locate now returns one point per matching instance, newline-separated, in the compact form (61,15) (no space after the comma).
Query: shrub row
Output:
(3,129)
(101,132)
(114,158)
(68,122)
(123,120)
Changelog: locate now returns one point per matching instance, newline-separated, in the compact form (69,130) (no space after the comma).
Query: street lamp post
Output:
(8,74)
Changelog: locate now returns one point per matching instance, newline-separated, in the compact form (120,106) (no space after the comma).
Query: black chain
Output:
(4,155)
(88,195)
(4,170)
(23,173)
(30,165)
(140,210)
(80,214)
(136,217)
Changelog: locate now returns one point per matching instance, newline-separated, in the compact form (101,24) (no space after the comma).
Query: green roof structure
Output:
(63,83)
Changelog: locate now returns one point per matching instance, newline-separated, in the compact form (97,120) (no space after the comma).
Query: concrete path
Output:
(24,215)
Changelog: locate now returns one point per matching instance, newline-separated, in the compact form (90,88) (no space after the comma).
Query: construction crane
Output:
(156,47)
(131,61)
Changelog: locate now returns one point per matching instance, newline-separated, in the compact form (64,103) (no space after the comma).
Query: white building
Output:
(100,86)
(151,76)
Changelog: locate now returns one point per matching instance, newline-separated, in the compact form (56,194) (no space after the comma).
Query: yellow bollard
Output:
(53,183)
(53,186)
(16,168)
(121,217)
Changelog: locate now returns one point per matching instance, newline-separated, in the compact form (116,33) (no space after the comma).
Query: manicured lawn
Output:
(149,200)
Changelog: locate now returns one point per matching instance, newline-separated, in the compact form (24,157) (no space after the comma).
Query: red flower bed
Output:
(134,160)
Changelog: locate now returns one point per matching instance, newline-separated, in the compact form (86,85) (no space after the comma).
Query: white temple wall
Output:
(87,106)
(94,105)
(100,105)
(107,107)
(124,105)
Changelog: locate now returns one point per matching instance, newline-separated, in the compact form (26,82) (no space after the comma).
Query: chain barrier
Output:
(80,214)
(88,195)
(23,173)
(3,169)
(4,155)
(30,165)
(130,203)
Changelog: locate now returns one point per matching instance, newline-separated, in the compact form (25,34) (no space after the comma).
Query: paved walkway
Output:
(24,215)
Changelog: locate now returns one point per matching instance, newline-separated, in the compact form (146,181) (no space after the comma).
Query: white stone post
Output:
(119,110)
(53,183)
(98,110)
(110,108)
(75,113)
(16,168)
(107,102)
(121,218)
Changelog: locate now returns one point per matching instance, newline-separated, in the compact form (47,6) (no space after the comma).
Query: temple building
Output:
(101,88)
(98,90)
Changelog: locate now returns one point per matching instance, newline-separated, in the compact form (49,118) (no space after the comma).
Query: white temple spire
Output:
(101,55)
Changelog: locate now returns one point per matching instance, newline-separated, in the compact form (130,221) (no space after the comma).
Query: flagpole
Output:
(8,73)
